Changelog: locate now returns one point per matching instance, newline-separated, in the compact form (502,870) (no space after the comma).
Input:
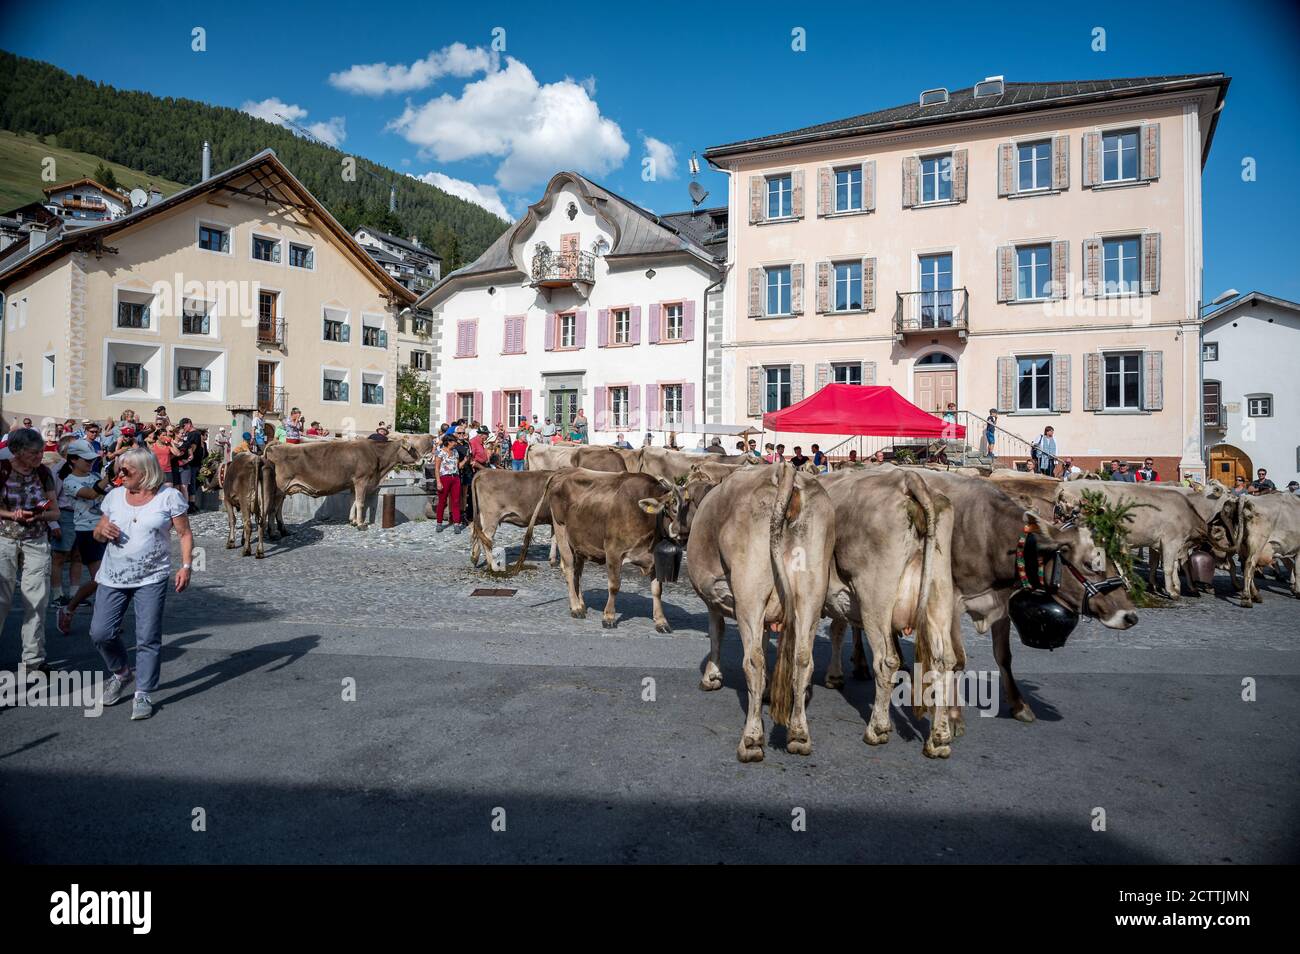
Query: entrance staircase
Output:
(1010,451)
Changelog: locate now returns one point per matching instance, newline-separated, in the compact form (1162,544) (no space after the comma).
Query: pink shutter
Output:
(526,402)
(633,406)
(496,408)
(451,407)
(471,334)
(688,407)
(634,331)
(651,406)
(460,339)
(602,408)
(550,332)
(477,415)
(654,324)
(602,328)
(580,328)
(688,321)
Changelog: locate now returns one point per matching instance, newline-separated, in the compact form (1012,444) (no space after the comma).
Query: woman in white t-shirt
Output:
(137,522)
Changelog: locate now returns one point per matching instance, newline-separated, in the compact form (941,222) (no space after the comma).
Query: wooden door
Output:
(569,243)
(1227,462)
(266,386)
(935,389)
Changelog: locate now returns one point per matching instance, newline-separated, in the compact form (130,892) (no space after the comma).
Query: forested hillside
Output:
(163,137)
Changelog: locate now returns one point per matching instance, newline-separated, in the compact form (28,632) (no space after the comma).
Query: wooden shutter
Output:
(1060,163)
(451,407)
(633,406)
(205,380)
(688,406)
(755,391)
(1092,284)
(960,163)
(652,407)
(1091,159)
(869,284)
(496,407)
(869,186)
(756,293)
(477,414)
(601,415)
(757,199)
(1150,263)
(1061,269)
(821,376)
(462,338)
(656,318)
(796,193)
(472,337)
(580,328)
(1149,151)
(602,328)
(824,204)
(347,331)
(1092,381)
(344,392)
(1006,384)
(1153,380)
(869,372)
(823,287)
(911,180)
(144,317)
(1006,273)
(688,320)
(550,332)
(1061,382)
(796,383)
(796,288)
(1007,180)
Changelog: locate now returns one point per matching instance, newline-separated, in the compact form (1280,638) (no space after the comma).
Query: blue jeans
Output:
(517,464)
(106,629)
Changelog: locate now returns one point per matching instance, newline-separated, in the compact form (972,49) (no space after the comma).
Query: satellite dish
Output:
(698,193)
(139,198)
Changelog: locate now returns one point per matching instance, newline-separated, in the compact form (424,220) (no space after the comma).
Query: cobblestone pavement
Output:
(464,705)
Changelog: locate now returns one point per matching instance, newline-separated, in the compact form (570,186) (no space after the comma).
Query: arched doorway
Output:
(934,382)
(1227,462)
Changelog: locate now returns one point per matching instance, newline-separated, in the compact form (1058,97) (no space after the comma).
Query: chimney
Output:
(207,161)
(36,237)
(415,240)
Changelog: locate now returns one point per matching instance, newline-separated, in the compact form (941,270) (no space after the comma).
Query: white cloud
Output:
(375,79)
(481,195)
(535,129)
(665,160)
(275,110)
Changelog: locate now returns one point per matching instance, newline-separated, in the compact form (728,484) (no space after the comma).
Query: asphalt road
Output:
(474,711)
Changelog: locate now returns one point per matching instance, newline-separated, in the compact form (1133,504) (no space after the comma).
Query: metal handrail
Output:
(272,331)
(270,400)
(574,266)
(940,310)
(961,447)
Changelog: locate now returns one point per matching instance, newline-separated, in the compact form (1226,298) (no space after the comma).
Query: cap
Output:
(128,431)
(81,449)
(482,429)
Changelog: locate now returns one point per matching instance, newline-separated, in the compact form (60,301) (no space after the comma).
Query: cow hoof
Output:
(799,747)
(609,623)
(1257,598)
(578,614)
(261,555)
(663,628)
(1246,602)
(709,683)
(932,751)
(874,737)
(231,545)
(1023,713)
(749,753)
(835,682)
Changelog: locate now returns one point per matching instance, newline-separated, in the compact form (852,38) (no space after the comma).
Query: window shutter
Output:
(324,327)
(1006,273)
(869,186)
(634,332)
(1150,263)
(471,338)
(633,406)
(1092,381)
(275,252)
(1092,268)
(476,413)
(496,407)
(347,331)
(796,383)
(824,204)
(311,258)
(601,414)
(796,288)
(379,393)
(508,336)
(656,317)
(1060,269)
(796,193)
(205,326)
(205,380)
(823,287)
(652,409)
(580,328)
(1061,382)
(688,407)
(383,339)
(1153,380)
(1007,181)
(526,402)
(688,321)
(756,293)
(602,327)
(821,376)
(755,391)
(960,162)
(451,407)
(343,392)
(1060,163)
(550,332)
(1006,384)
(144,321)
(869,373)
(1091,159)
(1149,152)
(869,284)
(911,178)
(225,242)
(757,199)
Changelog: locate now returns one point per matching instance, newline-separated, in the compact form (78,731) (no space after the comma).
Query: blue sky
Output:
(600,86)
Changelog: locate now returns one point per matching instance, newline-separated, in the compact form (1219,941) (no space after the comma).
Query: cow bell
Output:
(1200,566)
(668,560)
(1041,622)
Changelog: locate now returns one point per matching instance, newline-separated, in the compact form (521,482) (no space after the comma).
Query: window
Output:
(778,388)
(8,378)
(1123,386)
(936,291)
(194,318)
(214,239)
(465,401)
(301,256)
(132,314)
(371,336)
(618,407)
(673,327)
(268,316)
(1035,166)
(372,392)
(421,360)
(568,330)
(335,389)
(1259,405)
(672,404)
(1120,265)
(848,286)
(265,249)
(128,376)
(47,373)
(936,179)
(1213,404)
(1033,272)
(847,373)
(622,326)
(780,197)
(1119,156)
(993,86)
(848,189)
(778,290)
(934,97)
(1034,383)
(193,379)
(514,407)
(18,376)
(336,327)
(1209,351)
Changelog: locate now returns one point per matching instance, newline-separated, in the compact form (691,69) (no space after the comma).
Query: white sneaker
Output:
(117,688)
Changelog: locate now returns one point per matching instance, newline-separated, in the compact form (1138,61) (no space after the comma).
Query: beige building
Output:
(238,293)
(1034,248)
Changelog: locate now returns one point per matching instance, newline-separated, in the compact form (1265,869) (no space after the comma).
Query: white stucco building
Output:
(1250,352)
(590,302)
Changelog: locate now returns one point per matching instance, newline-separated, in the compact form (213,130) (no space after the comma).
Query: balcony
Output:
(270,330)
(557,269)
(90,205)
(930,312)
(271,400)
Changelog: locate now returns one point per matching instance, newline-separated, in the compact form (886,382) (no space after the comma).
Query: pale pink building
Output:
(1030,247)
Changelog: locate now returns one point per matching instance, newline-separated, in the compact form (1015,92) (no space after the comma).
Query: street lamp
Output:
(1219,299)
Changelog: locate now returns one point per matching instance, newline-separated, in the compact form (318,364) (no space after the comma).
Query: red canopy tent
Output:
(859,409)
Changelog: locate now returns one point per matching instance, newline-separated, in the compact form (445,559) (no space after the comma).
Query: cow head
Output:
(409,453)
(1090,583)
(671,510)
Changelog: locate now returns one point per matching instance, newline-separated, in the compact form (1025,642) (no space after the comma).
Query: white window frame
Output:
(938,158)
(1036,249)
(276,240)
(461,398)
(140,394)
(289,257)
(617,336)
(851,369)
(18,376)
(1264,408)
(188,397)
(213,333)
(154,317)
(1137,357)
(1033,145)
(786,192)
(667,321)
(1035,377)
(53,368)
(347,320)
(381,383)
(1120,289)
(346,379)
(1136,131)
(213,224)
(569,318)
(789,383)
(671,404)
(835,187)
(768,272)
(851,284)
(1209,351)
(619,409)
(377,322)
(512,407)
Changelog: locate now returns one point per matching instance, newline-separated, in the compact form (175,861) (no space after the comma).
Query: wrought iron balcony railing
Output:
(270,330)
(270,400)
(560,268)
(926,312)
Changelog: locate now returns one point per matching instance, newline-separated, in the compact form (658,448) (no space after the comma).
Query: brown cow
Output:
(507,496)
(1266,530)
(247,485)
(546,457)
(760,551)
(674,464)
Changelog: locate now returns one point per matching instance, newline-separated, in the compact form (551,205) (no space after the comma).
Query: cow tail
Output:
(920,494)
(532,522)
(782,689)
